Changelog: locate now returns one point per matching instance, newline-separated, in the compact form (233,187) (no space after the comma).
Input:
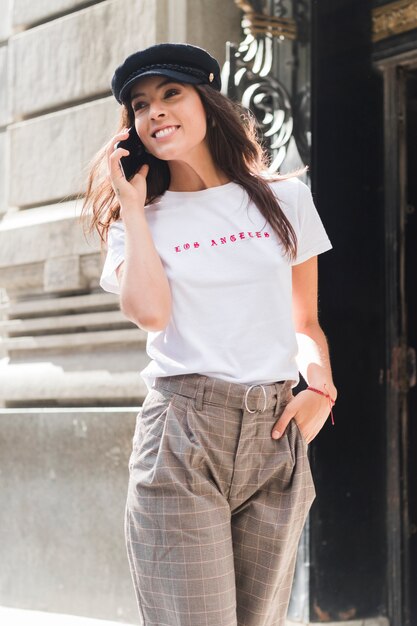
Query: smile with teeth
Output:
(165,131)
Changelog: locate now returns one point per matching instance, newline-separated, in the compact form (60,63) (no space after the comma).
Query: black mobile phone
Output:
(137,154)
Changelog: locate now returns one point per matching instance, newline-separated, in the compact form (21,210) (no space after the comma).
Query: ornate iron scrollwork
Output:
(252,75)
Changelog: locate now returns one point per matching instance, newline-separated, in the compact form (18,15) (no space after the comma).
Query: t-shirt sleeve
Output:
(115,255)
(312,236)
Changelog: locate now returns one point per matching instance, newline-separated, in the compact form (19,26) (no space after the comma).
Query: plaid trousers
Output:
(215,507)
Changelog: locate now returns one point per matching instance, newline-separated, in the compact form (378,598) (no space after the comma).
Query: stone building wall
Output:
(55,113)
(69,360)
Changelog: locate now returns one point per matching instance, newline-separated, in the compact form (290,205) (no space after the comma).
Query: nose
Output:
(156,109)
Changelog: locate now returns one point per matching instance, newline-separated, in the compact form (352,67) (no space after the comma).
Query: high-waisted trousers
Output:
(215,507)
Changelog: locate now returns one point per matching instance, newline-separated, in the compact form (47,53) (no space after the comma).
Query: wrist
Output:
(132,212)
(326,386)
(134,219)
(326,396)
(332,391)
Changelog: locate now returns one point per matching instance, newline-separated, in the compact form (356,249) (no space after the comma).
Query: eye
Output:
(137,106)
(174,91)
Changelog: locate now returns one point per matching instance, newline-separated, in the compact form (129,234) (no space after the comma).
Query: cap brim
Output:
(179,76)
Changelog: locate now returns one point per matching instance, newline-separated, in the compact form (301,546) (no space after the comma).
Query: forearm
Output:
(313,359)
(145,295)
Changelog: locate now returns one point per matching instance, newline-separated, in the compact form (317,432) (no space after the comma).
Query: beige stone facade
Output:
(69,360)
(56,61)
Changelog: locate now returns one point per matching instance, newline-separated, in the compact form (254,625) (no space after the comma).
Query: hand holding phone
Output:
(130,195)
(137,156)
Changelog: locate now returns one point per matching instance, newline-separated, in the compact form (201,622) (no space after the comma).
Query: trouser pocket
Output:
(149,422)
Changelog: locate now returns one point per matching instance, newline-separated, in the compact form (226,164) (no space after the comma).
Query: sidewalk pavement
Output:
(24,617)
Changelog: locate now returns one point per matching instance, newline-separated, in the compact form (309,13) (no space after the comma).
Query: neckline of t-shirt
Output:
(202,193)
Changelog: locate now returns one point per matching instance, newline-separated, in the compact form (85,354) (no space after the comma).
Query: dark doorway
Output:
(347,522)
(400,186)
(410,304)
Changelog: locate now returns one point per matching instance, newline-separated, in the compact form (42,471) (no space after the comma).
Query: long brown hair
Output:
(236,151)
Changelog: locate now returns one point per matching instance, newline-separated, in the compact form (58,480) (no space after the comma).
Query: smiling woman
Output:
(216,141)
(217,260)
(172,125)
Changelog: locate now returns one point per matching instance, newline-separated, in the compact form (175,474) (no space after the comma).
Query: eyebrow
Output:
(140,93)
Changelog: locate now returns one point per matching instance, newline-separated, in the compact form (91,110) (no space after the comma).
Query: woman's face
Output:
(160,102)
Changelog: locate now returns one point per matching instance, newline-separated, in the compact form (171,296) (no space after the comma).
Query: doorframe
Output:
(394,72)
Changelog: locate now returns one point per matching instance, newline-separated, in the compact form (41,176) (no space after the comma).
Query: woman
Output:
(217,260)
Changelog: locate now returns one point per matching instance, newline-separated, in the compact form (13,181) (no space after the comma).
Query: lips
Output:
(173,128)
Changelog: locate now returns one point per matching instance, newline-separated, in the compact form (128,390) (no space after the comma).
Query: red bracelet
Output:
(326,395)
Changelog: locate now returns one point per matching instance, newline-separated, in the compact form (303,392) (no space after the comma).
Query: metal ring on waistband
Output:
(246,399)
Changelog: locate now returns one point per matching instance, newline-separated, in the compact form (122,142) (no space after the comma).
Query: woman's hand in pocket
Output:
(309,409)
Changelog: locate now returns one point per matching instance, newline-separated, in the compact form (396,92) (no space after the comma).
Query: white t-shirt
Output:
(230,283)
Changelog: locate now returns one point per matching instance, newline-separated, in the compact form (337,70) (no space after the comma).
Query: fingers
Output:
(282,423)
(142,171)
(114,155)
(119,137)
(115,168)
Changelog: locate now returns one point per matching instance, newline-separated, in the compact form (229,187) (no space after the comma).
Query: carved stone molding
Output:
(393,18)
(259,23)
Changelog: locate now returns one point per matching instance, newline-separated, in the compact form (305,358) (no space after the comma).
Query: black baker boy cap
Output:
(180,61)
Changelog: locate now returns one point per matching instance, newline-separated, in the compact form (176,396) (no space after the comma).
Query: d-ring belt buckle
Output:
(246,398)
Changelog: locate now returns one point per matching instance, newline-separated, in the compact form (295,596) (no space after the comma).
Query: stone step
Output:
(76,340)
(64,323)
(69,304)
(45,384)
